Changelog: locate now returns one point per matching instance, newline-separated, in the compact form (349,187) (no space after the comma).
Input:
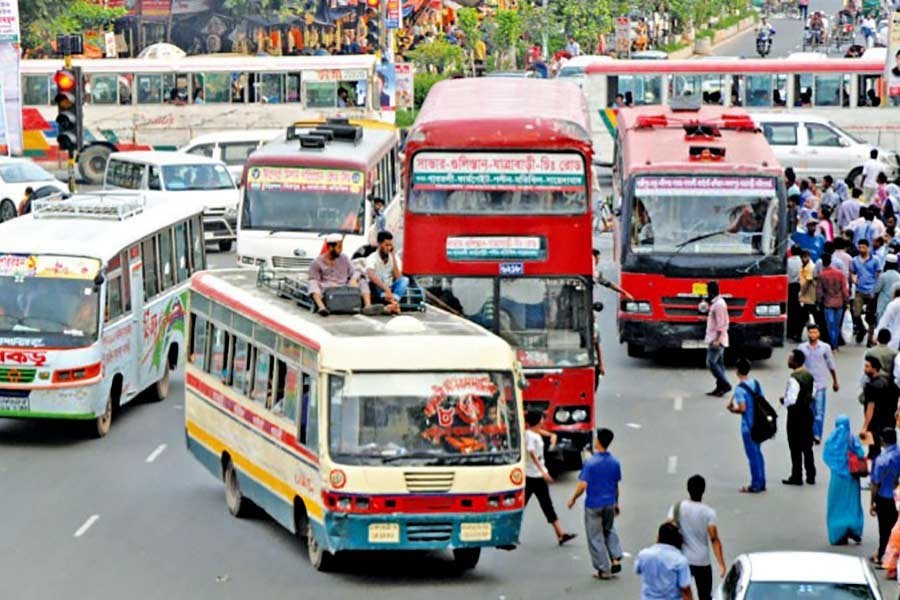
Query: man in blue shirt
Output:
(665,572)
(600,477)
(742,404)
(864,271)
(885,473)
(810,240)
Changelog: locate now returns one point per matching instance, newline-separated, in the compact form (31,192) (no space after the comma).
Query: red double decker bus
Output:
(702,199)
(498,229)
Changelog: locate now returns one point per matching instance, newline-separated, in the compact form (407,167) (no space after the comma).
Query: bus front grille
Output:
(291,262)
(429,532)
(428,482)
(16,375)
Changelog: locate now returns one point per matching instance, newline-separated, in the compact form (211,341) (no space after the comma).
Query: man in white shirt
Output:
(890,320)
(697,523)
(871,169)
(383,270)
(536,475)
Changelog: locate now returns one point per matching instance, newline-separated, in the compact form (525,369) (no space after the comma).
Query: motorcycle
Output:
(764,42)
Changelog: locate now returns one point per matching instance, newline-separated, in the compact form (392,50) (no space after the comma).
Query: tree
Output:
(585,20)
(508,32)
(439,55)
(42,20)
(467,19)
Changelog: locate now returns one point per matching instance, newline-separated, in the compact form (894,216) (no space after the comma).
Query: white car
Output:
(18,174)
(799,575)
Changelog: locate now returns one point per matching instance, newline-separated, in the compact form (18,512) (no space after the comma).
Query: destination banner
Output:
(496,248)
(705,186)
(294,179)
(51,267)
(498,171)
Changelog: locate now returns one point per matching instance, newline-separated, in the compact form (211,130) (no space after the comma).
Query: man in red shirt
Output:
(833,293)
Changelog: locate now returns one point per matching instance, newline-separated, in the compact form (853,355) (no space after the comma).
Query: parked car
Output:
(18,174)
(231,147)
(813,145)
(181,177)
(797,575)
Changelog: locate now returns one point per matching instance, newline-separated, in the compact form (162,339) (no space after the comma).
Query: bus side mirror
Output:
(598,306)
(99,279)
(522,382)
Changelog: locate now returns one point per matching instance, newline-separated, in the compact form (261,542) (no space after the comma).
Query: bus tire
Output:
(237,505)
(159,391)
(319,558)
(100,425)
(8,210)
(466,559)
(854,175)
(635,350)
(225,245)
(92,163)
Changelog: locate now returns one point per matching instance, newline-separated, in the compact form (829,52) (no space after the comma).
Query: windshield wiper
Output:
(702,236)
(412,456)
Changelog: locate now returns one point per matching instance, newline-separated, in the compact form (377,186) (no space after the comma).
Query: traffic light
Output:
(373,32)
(68,104)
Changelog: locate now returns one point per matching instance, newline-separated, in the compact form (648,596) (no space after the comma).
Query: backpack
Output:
(765,419)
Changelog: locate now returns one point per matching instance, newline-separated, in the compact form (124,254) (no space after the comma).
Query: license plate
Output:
(699,289)
(693,344)
(475,532)
(13,403)
(384,533)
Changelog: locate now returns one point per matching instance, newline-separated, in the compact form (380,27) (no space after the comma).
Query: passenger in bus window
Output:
(619,102)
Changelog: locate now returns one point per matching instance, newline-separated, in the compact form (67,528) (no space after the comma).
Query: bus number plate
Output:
(13,403)
(511,269)
(475,532)
(699,289)
(384,533)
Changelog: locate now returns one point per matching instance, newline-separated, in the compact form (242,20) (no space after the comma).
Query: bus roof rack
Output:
(311,141)
(110,205)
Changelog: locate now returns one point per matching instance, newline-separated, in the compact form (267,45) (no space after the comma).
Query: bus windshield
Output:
(704,215)
(182,178)
(48,300)
(423,418)
(301,199)
(498,183)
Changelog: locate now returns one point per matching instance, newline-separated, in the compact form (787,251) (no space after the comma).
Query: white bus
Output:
(321,180)
(355,433)
(161,104)
(93,295)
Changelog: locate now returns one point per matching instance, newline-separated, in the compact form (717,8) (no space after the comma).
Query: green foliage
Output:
(43,20)
(439,55)
(467,19)
(585,20)
(405,118)
(510,27)
(423,82)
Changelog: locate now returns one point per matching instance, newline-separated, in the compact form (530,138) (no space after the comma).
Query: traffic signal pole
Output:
(70,161)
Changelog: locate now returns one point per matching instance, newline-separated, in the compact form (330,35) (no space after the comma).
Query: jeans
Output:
(834,318)
(398,289)
(757,464)
(703,579)
(794,314)
(804,12)
(602,539)
(715,360)
(818,413)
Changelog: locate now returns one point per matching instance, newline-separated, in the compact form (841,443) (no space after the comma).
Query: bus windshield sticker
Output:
(292,179)
(50,267)
(498,171)
(496,248)
(705,186)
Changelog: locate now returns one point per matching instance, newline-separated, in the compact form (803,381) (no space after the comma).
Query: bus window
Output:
(103,89)
(832,90)
(182,260)
(175,87)
(199,336)
(149,89)
(114,294)
(288,393)
(320,94)
(153,182)
(218,363)
(216,88)
(270,88)
(241,369)
(869,86)
(472,297)
(636,89)
(293,87)
(309,415)
(713,89)
(198,256)
(124,174)
(165,260)
(126,282)
(262,378)
(758,89)
(803,90)
(36,90)
(202,150)
(150,268)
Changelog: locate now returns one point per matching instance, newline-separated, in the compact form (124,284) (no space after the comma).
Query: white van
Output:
(231,147)
(815,146)
(573,69)
(183,177)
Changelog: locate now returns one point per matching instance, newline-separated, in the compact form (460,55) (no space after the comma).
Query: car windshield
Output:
(423,418)
(794,590)
(498,183)
(547,320)
(843,131)
(179,178)
(48,300)
(704,215)
(23,172)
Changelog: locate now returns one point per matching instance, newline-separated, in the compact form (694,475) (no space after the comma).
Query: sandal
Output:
(873,560)
(567,537)
(602,575)
(749,490)
(616,567)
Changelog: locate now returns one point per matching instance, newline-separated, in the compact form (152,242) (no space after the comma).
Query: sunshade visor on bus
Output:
(48,266)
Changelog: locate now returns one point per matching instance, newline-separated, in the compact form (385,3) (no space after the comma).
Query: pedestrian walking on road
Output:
(885,474)
(820,363)
(794,308)
(742,404)
(892,552)
(600,477)
(833,293)
(537,477)
(697,523)
(844,512)
(664,570)
(864,272)
(717,339)
(797,399)
(880,398)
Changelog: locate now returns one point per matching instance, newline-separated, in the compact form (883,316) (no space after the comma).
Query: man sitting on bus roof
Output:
(383,270)
(333,268)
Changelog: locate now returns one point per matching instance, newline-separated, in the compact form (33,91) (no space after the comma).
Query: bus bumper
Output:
(83,402)
(219,225)
(652,336)
(418,532)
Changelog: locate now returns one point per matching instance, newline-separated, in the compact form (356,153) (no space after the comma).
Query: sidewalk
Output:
(721,37)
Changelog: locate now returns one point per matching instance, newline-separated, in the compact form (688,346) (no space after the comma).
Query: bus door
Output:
(122,329)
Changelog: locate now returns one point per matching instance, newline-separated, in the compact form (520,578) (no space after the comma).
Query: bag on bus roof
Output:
(342,299)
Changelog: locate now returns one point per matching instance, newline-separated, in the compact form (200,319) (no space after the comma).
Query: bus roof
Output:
(512,112)
(737,66)
(102,238)
(164,157)
(375,143)
(357,342)
(655,148)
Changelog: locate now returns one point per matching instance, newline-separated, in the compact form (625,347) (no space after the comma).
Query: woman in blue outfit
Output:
(844,512)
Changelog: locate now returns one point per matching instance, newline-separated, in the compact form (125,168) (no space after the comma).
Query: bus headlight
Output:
(579,415)
(231,213)
(509,501)
(344,504)
(636,307)
(768,310)
(562,415)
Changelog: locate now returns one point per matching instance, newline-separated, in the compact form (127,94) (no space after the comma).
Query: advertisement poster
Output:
(893,60)
(9,21)
(623,37)
(403,82)
(11,98)
(386,81)
(392,19)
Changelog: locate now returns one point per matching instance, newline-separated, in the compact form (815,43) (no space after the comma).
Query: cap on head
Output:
(334,238)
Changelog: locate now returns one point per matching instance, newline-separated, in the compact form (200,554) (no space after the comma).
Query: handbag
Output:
(859,467)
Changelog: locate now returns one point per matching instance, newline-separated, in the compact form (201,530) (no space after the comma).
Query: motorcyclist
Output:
(764,33)
(817,27)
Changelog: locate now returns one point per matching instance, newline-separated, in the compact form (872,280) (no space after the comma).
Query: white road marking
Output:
(633,425)
(672,465)
(679,403)
(155,454)
(626,554)
(86,525)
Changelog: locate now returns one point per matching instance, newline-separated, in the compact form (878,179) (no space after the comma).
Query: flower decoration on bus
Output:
(516,477)
(337,479)
(466,414)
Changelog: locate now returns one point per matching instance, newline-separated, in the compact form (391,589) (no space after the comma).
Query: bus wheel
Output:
(92,163)
(8,210)
(160,389)
(635,350)
(854,178)
(237,505)
(100,426)
(466,559)
(319,558)
(225,245)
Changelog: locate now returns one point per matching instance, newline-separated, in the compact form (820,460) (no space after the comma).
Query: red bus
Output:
(702,199)
(498,228)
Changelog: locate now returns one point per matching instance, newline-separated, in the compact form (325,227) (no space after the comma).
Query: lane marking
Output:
(633,425)
(155,454)
(679,403)
(86,525)
(672,465)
